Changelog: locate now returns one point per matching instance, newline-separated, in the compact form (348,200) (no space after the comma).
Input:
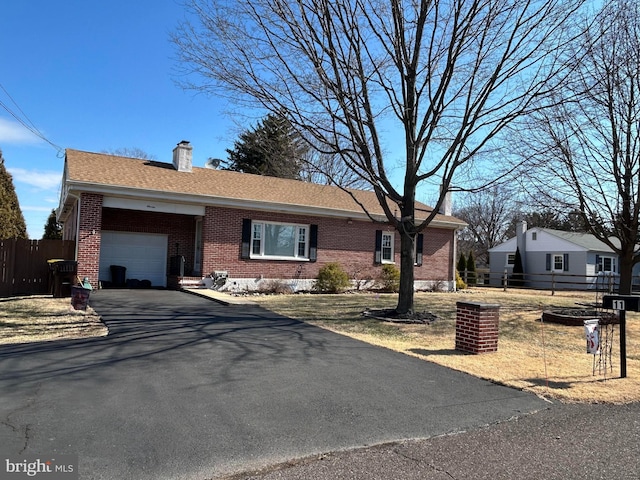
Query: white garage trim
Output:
(143,254)
(152,206)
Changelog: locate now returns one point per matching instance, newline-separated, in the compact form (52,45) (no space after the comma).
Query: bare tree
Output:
(488,214)
(131,152)
(430,82)
(326,169)
(588,144)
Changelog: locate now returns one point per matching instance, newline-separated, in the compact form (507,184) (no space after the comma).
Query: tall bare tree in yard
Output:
(488,214)
(588,144)
(427,85)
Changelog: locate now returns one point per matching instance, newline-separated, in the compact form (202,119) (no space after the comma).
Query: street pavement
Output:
(186,388)
(564,442)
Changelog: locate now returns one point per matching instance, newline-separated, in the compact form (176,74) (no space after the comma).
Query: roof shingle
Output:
(86,169)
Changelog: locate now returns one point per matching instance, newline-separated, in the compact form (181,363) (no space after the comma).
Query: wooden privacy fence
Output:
(23,264)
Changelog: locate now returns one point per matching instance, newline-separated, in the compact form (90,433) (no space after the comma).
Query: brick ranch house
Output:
(147,216)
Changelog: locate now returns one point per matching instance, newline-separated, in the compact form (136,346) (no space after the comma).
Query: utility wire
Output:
(18,106)
(28,124)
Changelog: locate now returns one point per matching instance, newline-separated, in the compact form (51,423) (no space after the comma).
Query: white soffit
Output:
(153,206)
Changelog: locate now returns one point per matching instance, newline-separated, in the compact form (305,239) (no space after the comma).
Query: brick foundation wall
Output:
(477,327)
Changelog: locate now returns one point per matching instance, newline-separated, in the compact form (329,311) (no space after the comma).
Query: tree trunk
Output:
(626,273)
(405,295)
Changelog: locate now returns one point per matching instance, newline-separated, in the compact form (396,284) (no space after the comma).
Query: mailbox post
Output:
(622,303)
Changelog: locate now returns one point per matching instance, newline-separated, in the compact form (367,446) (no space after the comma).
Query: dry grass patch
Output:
(35,319)
(547,359)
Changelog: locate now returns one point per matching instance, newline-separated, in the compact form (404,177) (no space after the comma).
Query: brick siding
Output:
(351,243)
(90,227)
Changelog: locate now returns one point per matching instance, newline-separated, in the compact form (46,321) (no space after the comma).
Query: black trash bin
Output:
(118,276)
(64,274)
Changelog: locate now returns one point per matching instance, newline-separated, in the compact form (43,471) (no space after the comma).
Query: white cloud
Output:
(42,180)
(13,132)
(35,209)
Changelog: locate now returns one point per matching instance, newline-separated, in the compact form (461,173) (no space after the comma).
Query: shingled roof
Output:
(116,175)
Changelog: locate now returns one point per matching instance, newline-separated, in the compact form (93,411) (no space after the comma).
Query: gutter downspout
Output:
(69,194)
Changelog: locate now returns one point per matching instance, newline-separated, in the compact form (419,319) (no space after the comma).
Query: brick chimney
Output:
(183,156)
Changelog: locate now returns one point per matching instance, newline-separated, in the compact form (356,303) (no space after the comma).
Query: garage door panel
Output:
(143,254)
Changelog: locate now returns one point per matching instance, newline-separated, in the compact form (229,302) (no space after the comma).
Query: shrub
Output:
(332,279)
(358,280)
(436,286)
(460,285)
(389,279)
(275,287)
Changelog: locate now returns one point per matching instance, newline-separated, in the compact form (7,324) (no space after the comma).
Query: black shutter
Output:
(313,243)
(548,262)
(566,262)
(246,238)
(419,246)
(598,269)
(378,254)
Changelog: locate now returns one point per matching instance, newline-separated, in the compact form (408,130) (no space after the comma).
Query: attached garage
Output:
(143,254)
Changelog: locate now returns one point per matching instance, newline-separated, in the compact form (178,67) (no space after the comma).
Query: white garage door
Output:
(143,254)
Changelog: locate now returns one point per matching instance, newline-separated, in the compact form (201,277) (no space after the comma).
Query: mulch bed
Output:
(390,315)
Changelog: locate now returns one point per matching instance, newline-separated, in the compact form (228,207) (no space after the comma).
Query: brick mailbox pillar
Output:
(477,327)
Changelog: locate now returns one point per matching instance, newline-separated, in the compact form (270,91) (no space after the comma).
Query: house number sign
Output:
(622,303)
(617,305)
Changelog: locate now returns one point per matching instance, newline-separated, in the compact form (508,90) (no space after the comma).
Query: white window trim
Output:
(390,235)
(510,255)
(295,256)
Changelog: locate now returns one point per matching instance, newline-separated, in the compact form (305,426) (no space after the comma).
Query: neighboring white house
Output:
(572,260)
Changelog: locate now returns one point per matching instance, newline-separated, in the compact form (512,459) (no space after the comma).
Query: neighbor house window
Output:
(511,259)
(606,264)
(557,262)
(534,235)
(279,240)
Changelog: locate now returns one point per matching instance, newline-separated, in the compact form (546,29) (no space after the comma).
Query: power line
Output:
(28,124)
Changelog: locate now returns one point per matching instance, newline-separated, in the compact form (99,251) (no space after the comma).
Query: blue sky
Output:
(95,76)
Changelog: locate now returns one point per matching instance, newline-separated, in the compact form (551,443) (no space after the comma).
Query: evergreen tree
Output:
(517,278)
(462,266)
(471,269)
(12,224)
(52,229)
(272,148)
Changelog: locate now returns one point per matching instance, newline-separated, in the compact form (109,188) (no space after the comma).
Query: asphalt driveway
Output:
(185,388)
